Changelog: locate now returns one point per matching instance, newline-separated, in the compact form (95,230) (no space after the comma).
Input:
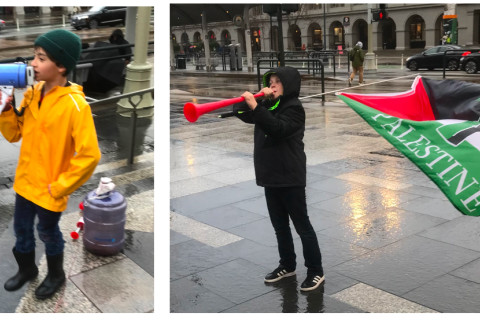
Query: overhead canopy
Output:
(185,14)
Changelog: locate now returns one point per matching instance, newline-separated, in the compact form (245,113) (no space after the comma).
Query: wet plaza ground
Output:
(390,240)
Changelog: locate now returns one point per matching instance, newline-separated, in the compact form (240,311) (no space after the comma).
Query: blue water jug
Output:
(104,229)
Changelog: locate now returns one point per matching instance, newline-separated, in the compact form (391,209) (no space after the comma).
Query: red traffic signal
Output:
(379,15)
(382,15)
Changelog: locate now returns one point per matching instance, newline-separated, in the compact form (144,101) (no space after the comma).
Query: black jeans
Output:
(290,202)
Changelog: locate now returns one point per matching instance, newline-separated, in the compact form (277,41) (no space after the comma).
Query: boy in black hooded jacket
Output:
(280,167)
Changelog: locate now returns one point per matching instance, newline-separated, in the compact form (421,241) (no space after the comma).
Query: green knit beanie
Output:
(64,47)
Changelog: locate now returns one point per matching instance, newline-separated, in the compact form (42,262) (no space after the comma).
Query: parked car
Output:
(2,24)
(99,15)
(433,58)
(470,62)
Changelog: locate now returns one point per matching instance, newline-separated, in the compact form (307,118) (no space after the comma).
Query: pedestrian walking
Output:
(59,153)
(356,56)
(280,167)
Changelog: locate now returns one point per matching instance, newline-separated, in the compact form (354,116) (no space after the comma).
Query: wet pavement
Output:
(120,283)
(390,240)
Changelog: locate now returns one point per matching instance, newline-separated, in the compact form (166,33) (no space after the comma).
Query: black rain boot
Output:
(55,277)
(27,270)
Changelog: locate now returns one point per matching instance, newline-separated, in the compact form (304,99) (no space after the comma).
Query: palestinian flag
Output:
(436,125)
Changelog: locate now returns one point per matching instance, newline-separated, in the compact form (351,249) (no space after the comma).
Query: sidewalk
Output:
(390,240)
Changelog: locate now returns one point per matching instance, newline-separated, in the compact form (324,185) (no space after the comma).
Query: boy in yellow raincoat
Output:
(59,153)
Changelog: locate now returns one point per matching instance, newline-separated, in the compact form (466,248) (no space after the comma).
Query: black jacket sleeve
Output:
(243,112)
(283,125)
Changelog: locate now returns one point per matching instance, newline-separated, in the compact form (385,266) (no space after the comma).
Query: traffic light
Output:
(382,14)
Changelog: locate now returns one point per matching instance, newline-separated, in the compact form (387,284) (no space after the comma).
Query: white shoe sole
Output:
(322,279)
(281,277)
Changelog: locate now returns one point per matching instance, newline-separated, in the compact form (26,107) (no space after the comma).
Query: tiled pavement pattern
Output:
(390,240)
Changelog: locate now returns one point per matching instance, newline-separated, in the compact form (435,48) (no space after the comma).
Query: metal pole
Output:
(324,28)
(281,53)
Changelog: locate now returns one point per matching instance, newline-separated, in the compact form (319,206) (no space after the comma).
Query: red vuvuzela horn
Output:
(193,111)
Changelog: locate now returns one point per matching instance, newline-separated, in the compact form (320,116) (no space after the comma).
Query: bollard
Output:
(401,62)
(18,25)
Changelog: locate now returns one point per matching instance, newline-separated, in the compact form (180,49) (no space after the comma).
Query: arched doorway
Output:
(315,37)
(185,42)
(226,38)
(415,29)
(387,37)
(360,33)
(212,41)
(294,38)
(197,39)
(337,37)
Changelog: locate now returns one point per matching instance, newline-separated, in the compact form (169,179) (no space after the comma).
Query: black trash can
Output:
(181,61)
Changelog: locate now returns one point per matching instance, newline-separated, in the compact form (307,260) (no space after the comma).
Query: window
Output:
(416,31)
(338,35)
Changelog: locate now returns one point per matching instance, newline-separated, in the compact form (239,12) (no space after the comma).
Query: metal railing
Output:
(317,65)
(133,112)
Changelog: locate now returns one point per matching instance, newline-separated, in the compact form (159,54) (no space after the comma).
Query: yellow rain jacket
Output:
(59,146)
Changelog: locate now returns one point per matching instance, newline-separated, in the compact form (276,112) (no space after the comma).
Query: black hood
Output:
(290,78)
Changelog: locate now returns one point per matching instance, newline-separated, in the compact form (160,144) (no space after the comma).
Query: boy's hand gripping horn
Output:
(193,111)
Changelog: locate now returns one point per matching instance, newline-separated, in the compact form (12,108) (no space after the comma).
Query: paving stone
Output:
(470,271)
(434,207)
(238,280)
(373,300)
(287,298)
(121,286)
(462,231)
(260,231)
(448,294)
(201,232)
(139,247)
(188,295)
(216,197)
(375,230)
(227,217)
(407,264)
(190,257)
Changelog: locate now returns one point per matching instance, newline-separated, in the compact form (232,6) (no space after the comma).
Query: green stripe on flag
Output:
(441,149)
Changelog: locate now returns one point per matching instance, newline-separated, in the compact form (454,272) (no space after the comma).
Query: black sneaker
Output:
(312,282)
(278,274)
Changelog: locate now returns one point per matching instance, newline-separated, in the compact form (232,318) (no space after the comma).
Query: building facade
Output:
(337,26)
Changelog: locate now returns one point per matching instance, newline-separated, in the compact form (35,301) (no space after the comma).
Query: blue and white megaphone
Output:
(14,75)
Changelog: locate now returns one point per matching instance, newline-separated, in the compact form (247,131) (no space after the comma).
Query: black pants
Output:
(290,202)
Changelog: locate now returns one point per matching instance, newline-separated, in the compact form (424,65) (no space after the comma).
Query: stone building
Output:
(336,26)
